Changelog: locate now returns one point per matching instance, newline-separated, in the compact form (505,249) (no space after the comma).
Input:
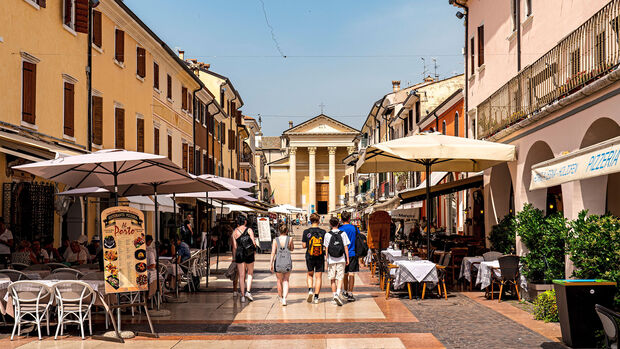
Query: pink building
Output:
(543,75)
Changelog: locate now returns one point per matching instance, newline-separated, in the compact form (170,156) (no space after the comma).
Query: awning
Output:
(142,203)
(593,161)
(388,205)
(31,149)
(419,194)
(165,203)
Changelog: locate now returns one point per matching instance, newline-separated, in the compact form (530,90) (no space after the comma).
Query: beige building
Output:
(311,173)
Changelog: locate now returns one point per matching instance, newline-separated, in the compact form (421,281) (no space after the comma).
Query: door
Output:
(322,197)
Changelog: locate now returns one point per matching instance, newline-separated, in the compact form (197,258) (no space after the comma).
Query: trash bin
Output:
(575,300)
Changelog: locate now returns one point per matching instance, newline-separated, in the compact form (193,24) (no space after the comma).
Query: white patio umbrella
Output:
(422,151)
(279,210)
(228,182)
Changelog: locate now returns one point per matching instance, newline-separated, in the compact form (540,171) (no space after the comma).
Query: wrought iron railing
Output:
(586,54)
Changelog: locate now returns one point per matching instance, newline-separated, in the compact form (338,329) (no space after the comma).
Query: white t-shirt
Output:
(4,237)
(345,241)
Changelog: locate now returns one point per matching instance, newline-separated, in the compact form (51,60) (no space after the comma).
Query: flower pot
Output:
(533,290)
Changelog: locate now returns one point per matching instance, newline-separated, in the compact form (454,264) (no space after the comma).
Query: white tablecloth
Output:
(484,274)
(466,266)
(391,254)
(415,271)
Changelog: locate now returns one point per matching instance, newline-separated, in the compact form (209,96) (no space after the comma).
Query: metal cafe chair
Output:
(610,321)
(509,268)
(78,274)
(56,265)
(19,266)
(75,300)
(61,276)
(14,275)
(31,302)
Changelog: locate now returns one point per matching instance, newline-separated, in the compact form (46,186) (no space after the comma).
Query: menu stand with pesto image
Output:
(125,268)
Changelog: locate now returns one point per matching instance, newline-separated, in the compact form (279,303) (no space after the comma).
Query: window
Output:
(69,109)
(575,65)
(231,137)
(140,133)
(119,46)
(69,13)
(223,135)
(205,164)
(169,87)
(29,92)
(156,140)
(75,15)
(410,120)
(97,29)
(119,119)
(480,45)
(528,8)
(513,13)
(155,76)
(184,98)
(141,62)
(471,55)
(170,147)
(185,156)
(456,124)
(190,165)
(97,120)
(405,126)
(443,127)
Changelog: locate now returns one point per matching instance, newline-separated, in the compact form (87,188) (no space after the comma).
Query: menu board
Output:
(264,230)
(124,250)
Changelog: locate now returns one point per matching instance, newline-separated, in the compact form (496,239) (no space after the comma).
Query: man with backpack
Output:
(312,241)
(336,243)
(353,266)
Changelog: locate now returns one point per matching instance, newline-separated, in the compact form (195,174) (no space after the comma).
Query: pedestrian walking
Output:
(353,266)
(336,243)
(244,248)
(281,262)
(312,241)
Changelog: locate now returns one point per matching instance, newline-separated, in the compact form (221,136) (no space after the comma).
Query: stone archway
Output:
(501,193)
(538,152)
(592,188)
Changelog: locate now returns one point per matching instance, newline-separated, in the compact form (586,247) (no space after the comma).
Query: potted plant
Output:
(544,238)
(502,235)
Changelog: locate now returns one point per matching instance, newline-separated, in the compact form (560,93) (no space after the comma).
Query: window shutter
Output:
(230,140)
(156,75)
(238,117)
(97,33)
(222,133)
(120,128)
(140,135)
(170,147)
(191,161)
(69,94)
(184,159)
(169,87)
(141,62)
(205,164)
(480,45)
(81,16)
(156,141)
(184,98)
(120,46)
(29,92)
(68,12)
(97,120)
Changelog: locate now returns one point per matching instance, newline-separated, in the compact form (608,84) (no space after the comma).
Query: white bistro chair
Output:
(74,300)
(31,302)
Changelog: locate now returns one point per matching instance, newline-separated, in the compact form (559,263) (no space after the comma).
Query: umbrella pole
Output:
(208,237)
(158,294)
(428,210)
(219,225)
(176,265)
(118,296)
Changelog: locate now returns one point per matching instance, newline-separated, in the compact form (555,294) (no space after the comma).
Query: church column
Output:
(312,178)
(332,178)
(293,175)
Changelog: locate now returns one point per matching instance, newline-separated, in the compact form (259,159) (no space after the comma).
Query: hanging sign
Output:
(264,230)
(124,250)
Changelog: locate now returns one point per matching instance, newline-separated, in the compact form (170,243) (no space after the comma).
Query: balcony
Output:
(582,57)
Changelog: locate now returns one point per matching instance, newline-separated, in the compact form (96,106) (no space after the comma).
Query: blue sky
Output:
(341,53)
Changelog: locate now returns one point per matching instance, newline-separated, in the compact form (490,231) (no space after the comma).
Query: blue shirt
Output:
(183,251)
(351,231)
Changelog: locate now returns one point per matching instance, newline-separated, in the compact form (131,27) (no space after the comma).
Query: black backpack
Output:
(361,245)
(336,246)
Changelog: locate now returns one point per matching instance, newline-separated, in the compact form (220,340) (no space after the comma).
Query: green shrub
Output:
(594,248)
(544,238)
(545,307)
(502,235)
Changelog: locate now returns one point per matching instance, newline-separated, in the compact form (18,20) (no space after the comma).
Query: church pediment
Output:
(321,124)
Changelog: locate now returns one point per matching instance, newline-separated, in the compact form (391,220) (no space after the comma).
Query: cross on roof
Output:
(322,106)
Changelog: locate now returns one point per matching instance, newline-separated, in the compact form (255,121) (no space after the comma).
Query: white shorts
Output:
(335,271)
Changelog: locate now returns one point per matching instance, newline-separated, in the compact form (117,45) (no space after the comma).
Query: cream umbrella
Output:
(422,151)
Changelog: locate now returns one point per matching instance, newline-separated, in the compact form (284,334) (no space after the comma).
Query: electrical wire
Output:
(273,34)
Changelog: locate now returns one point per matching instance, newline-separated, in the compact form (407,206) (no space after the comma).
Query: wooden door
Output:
(322,192)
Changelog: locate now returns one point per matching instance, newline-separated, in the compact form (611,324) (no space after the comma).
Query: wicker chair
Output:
(509,267)
(63,275)
(491,256)
(78,274)
(31,299)
(19,266)
(14,275)
(610,320)
(56,265)
(75,299)
(37,267)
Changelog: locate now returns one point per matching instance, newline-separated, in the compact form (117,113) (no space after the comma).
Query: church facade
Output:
(310,174)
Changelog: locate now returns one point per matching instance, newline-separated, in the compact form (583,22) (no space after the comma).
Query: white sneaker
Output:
(338,300)
(284,302)
(248,295)
(310,296)
(235,293)
(243,300)
(315,301)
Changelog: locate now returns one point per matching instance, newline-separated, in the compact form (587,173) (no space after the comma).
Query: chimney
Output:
(182,55)
(290,124)
(396,85)
(429,79)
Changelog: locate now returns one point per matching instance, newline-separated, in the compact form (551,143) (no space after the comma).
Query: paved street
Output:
(216,320)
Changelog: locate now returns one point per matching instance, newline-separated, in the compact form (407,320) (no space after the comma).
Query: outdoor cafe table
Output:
(6,300)
(391,254)
(415,271)
(466,266)
(484,274)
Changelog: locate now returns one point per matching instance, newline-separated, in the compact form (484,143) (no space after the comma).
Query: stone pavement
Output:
(216,319)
